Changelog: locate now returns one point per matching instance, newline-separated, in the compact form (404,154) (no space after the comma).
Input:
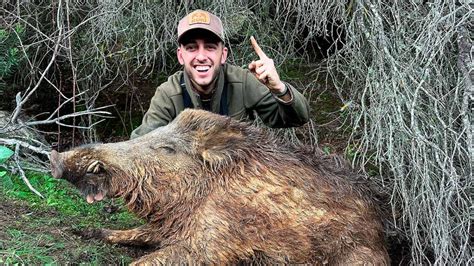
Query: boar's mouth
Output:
(91,181)
(93,194)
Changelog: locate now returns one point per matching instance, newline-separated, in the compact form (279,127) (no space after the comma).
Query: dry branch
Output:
(12,132)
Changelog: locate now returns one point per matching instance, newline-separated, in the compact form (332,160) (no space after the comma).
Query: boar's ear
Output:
(217,138)
(220,144)
(95,167)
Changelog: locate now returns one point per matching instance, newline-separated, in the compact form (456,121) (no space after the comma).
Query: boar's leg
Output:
(175,254)
(141,236)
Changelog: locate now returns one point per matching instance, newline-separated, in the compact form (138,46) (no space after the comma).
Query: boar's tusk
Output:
(56,164)
(94,167)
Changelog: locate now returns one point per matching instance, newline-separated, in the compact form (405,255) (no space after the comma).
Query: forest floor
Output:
(36,231)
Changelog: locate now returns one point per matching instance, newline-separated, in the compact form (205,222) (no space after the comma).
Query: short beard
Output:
(207,88)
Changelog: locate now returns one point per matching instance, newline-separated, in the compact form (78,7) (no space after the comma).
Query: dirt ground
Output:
(43,238)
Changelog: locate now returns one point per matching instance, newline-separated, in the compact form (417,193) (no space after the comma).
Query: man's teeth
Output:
(202,68)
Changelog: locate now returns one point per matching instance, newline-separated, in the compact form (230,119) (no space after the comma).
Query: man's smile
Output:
(202,69)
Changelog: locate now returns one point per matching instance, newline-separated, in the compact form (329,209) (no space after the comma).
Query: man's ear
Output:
(224,55)
(179,54)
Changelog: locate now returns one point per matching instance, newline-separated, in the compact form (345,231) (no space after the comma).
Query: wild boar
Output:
(218,191)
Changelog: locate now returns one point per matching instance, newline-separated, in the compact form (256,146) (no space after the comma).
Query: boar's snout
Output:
(56,164)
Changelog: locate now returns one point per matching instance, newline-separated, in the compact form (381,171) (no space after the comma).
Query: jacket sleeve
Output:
(160,113)
(274,112)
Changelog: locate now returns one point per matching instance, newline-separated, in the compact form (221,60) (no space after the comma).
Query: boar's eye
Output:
(168,149)
(165,148)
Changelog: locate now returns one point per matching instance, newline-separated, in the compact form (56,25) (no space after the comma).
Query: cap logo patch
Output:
(199,17)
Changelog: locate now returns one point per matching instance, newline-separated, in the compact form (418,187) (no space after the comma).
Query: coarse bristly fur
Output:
(217,191)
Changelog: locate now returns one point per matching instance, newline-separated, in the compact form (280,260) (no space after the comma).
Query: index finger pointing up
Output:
(257,48)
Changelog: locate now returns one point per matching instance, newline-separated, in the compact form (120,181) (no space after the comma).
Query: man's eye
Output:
(190,48)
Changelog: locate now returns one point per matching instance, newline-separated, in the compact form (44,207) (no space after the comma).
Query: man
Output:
(207,82)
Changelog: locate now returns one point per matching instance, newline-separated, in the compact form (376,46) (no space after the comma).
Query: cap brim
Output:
(198,27)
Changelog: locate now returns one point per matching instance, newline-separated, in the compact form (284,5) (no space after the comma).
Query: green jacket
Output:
(245,94)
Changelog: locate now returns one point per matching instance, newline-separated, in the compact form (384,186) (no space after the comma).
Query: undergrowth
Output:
(40,231)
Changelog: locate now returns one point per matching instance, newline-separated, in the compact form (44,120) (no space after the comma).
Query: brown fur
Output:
(217,191)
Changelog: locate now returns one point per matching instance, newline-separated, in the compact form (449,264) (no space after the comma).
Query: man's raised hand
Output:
(264,70)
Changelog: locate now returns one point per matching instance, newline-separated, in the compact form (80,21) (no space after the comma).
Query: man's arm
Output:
(284,106)
(264,70)
(273,110)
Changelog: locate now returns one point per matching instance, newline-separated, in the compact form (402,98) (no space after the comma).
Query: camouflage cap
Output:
(200,19)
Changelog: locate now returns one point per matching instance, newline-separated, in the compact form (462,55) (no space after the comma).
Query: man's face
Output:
(202,58)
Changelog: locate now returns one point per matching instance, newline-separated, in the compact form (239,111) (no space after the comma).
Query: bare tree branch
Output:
(22,173)
(19,143)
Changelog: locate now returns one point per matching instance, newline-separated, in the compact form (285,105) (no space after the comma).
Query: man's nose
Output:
(201,55)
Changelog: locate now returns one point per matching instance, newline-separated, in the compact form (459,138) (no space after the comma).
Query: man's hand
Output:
(265,71)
